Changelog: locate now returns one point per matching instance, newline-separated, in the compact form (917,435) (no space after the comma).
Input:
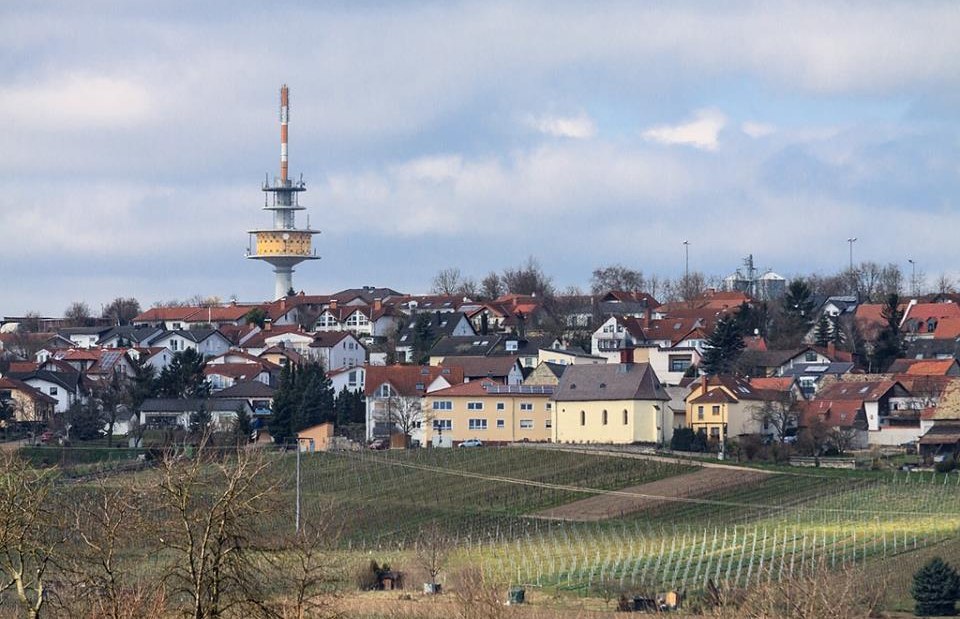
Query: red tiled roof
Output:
(405,378)
(773,383)
(865,391)
(473,388)
(948,328)
(34,394)
(834,413)
(234,370)
(922,367)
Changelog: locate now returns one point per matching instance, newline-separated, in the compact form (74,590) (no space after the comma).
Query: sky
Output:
(136,136)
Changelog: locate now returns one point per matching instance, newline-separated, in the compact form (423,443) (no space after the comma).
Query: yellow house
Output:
(315,438)
(610,403)
(26,402)
(724,406)
(491,412)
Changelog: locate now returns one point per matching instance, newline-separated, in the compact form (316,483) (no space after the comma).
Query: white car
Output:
(471,442)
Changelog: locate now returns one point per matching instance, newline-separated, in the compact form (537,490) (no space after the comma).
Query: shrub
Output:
(367,576)
(946,466)
(936,587)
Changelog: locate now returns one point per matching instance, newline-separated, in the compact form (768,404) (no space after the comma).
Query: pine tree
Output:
(936,588)
(836,332)
(889,344)
(723,347)
(242,426)
(283,405)
(184,377)
(797,313)
(821,336)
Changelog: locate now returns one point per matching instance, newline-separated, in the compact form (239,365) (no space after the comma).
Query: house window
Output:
(526,406)
(477,424)
(700,413)
(177,326)
(624,416)
(526,424)
(810,357)
(583,418)
(500,424)
(442,424)
(173,345)
(386,391)
(714,432)
(604,417)
(500,406)
(680,363)
(549,423)
(474,406)
(442,405)
(549,406)
(53,391)
(715,409)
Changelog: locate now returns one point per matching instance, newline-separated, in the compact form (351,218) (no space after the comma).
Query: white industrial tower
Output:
(284,245)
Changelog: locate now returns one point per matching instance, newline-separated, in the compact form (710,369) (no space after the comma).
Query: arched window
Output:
(604,417)
(624,416)
(583,418)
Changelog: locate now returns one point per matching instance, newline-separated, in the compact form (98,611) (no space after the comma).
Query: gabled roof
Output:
(194,335)
(924,367)
(441,324)
(408,380)
(773,383)
(29,392)
(482,367)
(259,340)
(739,388)
(329,339)
(612,381)
(480,388)
(134,335)
(714,396)
(239,371)
(641,298)
(833,413)
(464,345)
(191,405)
(246,389)
(863,391)
(68,380)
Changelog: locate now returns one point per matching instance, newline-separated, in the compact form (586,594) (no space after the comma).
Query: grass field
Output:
(778,526)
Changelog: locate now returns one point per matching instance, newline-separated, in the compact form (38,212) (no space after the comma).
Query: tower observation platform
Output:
(284,245)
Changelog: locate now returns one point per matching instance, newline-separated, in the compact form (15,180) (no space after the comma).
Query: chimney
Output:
(267,324)
(703,384)
(377,305)
(831,350)
(626,356)
(333,304)
(646,317)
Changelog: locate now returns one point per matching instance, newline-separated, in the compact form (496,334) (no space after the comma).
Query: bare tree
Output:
(779,415)
(433,550)
(842,438)
(310,568)
(528,278)
(30,532)
(121,311)
(616,277)
(404,413)
(491,286)
(212,504)
(945,284)
(103,525)
(447,281)
(77,314)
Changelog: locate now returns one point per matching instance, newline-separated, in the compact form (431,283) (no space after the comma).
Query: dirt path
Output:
(688,485)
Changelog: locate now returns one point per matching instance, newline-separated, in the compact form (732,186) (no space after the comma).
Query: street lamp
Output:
(851,241)
(686,263)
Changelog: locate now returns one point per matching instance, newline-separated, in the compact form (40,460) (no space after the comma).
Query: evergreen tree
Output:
(823,333)
(283,404)
(304,398)
(349,407)
(836,332)
(242,426)
(752,319)
(423,337)
(723,347)
(796,314)
(936,587)
(184,377)
(889,345)
(84,420)
(200,421)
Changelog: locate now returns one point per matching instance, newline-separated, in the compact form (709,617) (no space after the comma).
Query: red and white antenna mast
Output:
(284,119)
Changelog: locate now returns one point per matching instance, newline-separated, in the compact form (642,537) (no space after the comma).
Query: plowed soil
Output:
(690,485)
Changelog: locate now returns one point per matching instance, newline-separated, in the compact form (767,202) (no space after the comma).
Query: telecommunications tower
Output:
(284,245)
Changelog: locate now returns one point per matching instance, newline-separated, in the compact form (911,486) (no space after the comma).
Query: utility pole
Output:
(297,519)
(913,277)
(686,264)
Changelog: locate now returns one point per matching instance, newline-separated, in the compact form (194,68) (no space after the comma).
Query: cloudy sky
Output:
(432,134)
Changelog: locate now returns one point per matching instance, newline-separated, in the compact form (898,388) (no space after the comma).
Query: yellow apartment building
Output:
(610,403)
(491,412)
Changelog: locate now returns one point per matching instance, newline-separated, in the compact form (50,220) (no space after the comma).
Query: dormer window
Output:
(931,325)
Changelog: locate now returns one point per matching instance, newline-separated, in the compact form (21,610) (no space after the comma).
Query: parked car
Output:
(378,444)
(47,437)
(471,442)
